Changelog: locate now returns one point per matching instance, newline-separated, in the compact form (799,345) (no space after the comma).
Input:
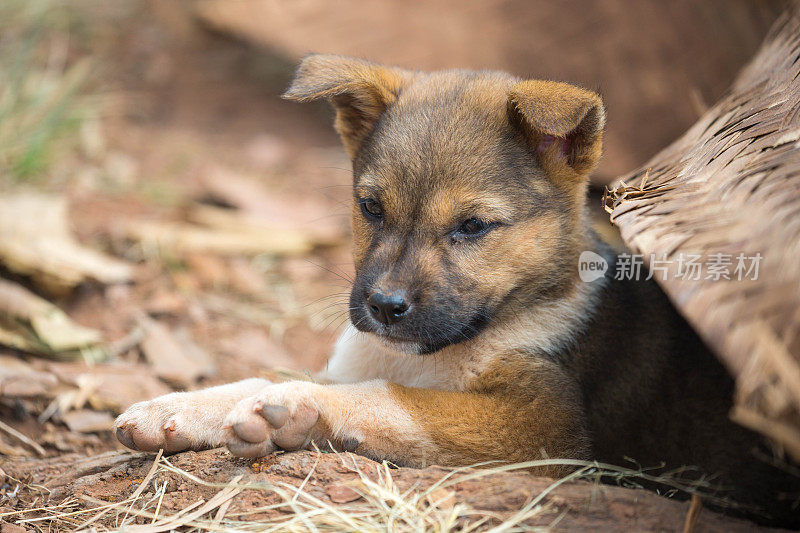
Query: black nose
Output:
(387,308)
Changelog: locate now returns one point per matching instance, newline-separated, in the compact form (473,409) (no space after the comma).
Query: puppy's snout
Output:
(388,307)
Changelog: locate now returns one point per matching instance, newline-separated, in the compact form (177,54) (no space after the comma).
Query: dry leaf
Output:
(19,380)
(117,386)
(248,240)
(35,241)
(175,359)
(88,421)
(34,325)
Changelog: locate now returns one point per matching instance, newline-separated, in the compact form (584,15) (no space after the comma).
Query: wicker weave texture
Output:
(730,189)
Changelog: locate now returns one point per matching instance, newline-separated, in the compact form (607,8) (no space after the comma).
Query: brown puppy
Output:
(472,337)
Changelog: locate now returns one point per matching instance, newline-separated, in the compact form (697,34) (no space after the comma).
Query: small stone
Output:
(342,494)
(7,527)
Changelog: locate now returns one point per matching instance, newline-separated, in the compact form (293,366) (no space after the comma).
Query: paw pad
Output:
(273,426)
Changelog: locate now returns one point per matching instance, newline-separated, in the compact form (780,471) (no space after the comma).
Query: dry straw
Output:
(382,505)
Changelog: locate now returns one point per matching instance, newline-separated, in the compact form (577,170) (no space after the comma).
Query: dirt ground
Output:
(193,120)
(278,488)
(181,111)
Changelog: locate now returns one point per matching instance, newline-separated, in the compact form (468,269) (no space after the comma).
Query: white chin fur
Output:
(403,347)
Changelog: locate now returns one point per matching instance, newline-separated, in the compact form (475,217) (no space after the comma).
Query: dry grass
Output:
(39,86)
(381,507)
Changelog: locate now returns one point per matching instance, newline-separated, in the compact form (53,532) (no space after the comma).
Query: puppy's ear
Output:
(562,123)
(359,91)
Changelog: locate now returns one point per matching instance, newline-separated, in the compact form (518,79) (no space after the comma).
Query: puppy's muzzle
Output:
(388,307)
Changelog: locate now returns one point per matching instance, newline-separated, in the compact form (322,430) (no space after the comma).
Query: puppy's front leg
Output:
(183,420)
(409,426)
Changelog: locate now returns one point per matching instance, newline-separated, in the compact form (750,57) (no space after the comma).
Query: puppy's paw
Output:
(174,422)
(278,417)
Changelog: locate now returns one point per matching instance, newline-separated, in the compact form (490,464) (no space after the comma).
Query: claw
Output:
(124,438)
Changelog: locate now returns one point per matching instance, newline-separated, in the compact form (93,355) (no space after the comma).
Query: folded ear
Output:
(563,124)
(358,90)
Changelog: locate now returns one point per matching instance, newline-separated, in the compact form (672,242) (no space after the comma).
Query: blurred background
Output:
(167,222)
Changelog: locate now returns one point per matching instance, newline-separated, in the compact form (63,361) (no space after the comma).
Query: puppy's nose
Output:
(387,308)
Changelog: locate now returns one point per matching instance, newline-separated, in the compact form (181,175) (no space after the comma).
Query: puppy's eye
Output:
(371,209)
(473,227)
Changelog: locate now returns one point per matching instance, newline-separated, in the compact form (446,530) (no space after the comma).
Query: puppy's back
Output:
(654,393)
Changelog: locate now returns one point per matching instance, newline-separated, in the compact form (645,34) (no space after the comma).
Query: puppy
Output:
(471,335)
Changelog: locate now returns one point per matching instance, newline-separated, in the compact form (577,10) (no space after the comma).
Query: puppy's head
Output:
(468,192)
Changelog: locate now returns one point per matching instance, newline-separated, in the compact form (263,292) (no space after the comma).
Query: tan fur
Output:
(560,110)
(485,398)
(492,421)
(359,91)
(502,353)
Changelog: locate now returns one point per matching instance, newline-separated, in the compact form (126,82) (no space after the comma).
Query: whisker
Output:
(335,185)
(348,170)
(340,275)
(329,296)
(329,306)
(329,216)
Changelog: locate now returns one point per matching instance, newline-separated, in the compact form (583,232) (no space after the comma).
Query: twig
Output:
(694,513)
(221,513)
(176,521)
(158,504)
(305,481)
(143,484)
(149,476)
(22,438)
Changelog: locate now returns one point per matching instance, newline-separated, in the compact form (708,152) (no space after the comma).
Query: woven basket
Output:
(730,189)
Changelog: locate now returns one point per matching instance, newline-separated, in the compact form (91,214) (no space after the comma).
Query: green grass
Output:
(40,86)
